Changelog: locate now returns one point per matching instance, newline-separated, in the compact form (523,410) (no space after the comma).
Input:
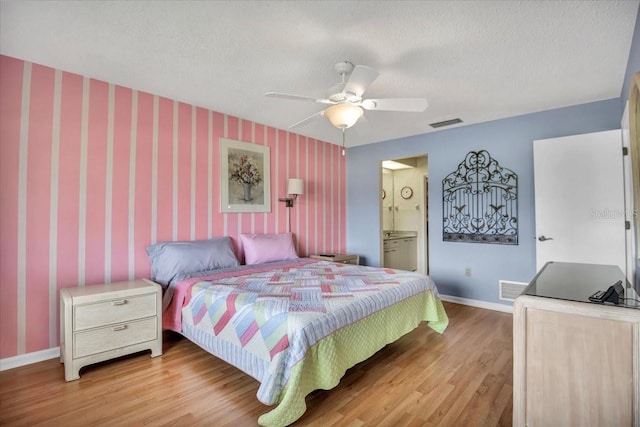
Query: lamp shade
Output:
(295,186)
(343,115)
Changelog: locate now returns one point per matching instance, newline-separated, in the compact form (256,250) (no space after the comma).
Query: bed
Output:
(297,324)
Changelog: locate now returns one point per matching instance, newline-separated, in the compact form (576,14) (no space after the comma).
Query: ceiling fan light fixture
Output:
(343,115)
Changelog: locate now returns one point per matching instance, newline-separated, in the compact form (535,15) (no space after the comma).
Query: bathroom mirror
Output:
(387,200)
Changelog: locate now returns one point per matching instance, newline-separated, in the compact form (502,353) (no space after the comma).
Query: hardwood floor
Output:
(461,378)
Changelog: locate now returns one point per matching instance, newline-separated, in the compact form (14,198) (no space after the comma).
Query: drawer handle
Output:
(119,302)
(119,328)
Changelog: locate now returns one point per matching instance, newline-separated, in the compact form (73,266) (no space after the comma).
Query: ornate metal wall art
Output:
(480,202)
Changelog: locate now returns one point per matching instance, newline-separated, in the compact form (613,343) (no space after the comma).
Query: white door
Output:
(579,199)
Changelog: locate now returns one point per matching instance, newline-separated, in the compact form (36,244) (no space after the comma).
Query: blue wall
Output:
(510,142)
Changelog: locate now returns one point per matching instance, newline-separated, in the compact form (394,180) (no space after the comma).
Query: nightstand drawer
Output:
(112,337)
(114,311)
(338,257)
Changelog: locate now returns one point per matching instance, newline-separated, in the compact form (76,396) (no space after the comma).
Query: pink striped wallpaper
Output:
(92,173)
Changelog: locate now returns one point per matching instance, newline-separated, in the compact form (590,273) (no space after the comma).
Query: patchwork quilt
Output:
(265,320)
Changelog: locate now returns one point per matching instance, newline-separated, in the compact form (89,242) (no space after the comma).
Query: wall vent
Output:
(446,123)
(509,290)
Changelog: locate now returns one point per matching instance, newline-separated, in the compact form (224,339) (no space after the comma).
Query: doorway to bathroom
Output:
(404,213)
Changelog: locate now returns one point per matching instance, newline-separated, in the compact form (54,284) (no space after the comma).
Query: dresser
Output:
(338,257)
(101,322)
(575,362)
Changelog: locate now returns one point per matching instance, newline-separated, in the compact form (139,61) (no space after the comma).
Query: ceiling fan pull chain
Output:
(344,151)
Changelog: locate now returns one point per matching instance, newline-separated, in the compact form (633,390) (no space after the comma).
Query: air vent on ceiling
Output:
(446,123)
(509,290)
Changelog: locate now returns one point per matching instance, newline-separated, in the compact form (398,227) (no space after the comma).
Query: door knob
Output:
(543,238)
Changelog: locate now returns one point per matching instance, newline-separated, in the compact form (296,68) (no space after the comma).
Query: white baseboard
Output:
(29,358)
(477,303)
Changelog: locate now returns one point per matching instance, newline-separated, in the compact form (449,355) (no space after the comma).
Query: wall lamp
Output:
(295,186)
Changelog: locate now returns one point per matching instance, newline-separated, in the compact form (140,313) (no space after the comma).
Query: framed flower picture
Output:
(244,177)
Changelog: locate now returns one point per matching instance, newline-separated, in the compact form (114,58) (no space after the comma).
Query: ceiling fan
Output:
(345,98)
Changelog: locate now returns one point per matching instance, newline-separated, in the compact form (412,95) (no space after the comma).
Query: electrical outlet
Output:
(467,271)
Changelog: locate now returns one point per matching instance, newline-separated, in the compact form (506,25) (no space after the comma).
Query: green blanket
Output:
(327,361)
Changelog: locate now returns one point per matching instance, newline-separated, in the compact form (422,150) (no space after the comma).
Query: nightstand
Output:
(102,322)
(343,258)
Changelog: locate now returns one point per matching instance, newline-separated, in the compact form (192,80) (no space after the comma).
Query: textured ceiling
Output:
(477,60)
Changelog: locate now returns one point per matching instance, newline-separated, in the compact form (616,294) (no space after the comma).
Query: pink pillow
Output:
(259,248)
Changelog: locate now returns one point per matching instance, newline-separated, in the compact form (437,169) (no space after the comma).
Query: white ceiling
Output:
(477,60)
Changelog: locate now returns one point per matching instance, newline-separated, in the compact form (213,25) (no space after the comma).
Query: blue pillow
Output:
(170,260)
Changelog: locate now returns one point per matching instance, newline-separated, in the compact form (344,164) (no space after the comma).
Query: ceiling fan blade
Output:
(297,97)
(360,79)
(417,105)
(307,120)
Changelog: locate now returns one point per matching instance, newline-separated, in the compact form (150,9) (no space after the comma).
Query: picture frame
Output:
(245,184)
